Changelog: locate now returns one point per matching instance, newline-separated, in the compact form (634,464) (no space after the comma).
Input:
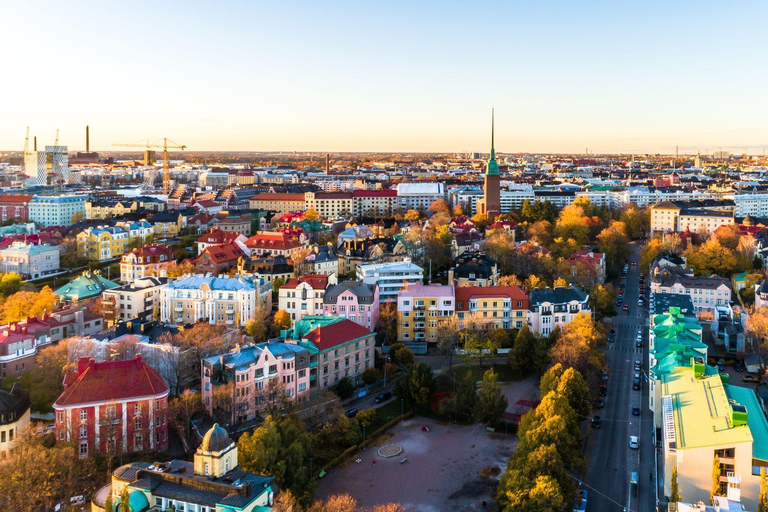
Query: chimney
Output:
(35,143)
(87,140)
(327,163)
(84,363)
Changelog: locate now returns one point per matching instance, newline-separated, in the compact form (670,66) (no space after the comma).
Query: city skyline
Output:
(390,78)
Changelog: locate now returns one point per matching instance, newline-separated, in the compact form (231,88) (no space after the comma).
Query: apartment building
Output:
(217,300)
(257,372)
(711,295)
(14,206)
(421,310)
(303,295)
(55,210)
(139,299)
(330,205)
(14,417)
(167,224)
(338,348)
(555,307)
(354,300)
(103,243)
(322,260)
(30,260)
(497,307)
(474,268)
(275,243)
(106,209)
(218,258)
(278,203)
(391,277)
(669,217)
(415,195)
(147,261)
(373,202)
(113,407)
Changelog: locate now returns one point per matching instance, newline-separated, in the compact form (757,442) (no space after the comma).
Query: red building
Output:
(14,207)
(218,258)
(119,406)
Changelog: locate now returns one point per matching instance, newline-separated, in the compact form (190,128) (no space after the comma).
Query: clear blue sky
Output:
(387,76)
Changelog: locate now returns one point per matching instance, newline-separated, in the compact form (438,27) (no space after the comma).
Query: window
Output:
(207,469)
(83,415)
(84,448)
(83,432)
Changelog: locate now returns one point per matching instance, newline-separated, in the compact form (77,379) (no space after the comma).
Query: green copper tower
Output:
(490,204)
(492,169)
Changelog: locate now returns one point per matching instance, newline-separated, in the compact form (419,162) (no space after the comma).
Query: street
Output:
(610,461)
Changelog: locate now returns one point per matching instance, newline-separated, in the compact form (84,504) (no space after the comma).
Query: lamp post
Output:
(363,437)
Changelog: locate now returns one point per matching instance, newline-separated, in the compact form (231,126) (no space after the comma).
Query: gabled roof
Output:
(222,253)
(110,381)
(338,333)
(316,281)
(218,237)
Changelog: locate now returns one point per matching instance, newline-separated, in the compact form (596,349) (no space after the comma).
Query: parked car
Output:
(597,422)
(635,411)
(580,504)
(634,442)
(600,404)
(637,365)
(351,413)
(625,308)
(750,378)
(720,366)
(383,397)
(636,384)
(603,390)
(738,367)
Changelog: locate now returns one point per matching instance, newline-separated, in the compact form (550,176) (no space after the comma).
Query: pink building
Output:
(257,371)
(355,300)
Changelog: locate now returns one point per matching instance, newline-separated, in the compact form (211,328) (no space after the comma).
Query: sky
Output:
(410,76)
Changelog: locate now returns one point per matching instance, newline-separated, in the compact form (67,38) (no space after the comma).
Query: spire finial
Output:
(493,125)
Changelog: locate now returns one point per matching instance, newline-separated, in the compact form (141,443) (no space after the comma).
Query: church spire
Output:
(492,169)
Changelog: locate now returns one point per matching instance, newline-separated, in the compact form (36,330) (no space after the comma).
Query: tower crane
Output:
(159,143)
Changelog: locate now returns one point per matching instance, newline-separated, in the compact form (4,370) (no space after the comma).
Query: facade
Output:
(14,417)
(391,277)
(107,209)
(30,261)
(588,262)
(113,407)
(147,261)
(669,217)
(279,203)
(235,224)
(322,260)
(167,224)
(337,346)
(555,307)
(14,206)
(18,349)
(219,300)
(213,482)
(330,205)
(257,371)
(217,236)
(415,195)
(474,268)
(374,202)
(275,243)
(711,295)
(354,300)
(498,307)
(421,310)
(139,299)
(303,295)
(55,210)
(218,258)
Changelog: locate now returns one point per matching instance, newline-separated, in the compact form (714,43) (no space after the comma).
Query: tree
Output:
(10,284)
(440,206)
(285,502)
(491,403)
(223,400)
(637,220)
(614,243)
(603,301)
(550,381)
(762,503)
(711,258)
(672,243)
(369,418)
(76,217)
(521,357)
(448,337)
(312,215)
(412,215)
(674,496)
(280,447)
(174,269)
(648,253)
(572,225)
(25,304)
(417,386)
(182,409)
(560,283)
(465,400)
(371,376)
(715,480)
(387,323)
(541,232)
(281,320)
(575,389)
(401,355)
(728,235)
(44,379)
(344,388)
(258,326)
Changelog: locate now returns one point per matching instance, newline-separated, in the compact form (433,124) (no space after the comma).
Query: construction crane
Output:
(159,143)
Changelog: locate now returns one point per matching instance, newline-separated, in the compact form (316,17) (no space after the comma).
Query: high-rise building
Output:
(490,204)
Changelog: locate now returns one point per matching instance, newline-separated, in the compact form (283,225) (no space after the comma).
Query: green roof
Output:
(702,410)
(87,285)
(758,426)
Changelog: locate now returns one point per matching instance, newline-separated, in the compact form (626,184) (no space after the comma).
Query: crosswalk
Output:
(631,350)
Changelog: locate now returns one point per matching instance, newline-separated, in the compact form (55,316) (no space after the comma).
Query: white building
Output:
(710,295)
(419,195)
(555,307)
(301,296)
(28,260)
(218,300)
(754,204)
(391,277)
(141,298)
(55,210)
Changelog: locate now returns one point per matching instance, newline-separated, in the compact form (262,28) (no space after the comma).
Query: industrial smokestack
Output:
(87,140)
(35,143)
(327,163)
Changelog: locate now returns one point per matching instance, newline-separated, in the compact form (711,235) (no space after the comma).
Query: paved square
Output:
(442,471)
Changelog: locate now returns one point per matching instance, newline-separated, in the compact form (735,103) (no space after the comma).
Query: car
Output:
(603,390)
(580,504)
(351,413)
(383,397)
(621,286)
(636,384)
(639,343)
(720,366)
(639,302)
(738,367)
(635,411)
(597,422)
(637,365)
(600,404)
(618,302)
(625,308)
(634,442)
(612,332)
(750,378)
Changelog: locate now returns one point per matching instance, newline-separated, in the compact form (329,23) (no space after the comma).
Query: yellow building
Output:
(497,307)
(104,243)
(167,224)
(421,309)
(280,203)
(330,205)
(109,209)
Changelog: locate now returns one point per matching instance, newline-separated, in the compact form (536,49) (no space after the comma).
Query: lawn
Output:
(476,372)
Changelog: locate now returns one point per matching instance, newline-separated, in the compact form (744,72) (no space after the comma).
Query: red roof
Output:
(267,196)
(374,193)
(218,237)
(151,253)
(15,198)
(201,218)
(208,204)
(110,381)
(316,281)
(272,240)
(465,293)
(335,334)
(222,253)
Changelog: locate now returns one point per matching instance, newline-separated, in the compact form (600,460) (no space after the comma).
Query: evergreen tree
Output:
(491,403)
(715,480)
(674,497)
(762,503)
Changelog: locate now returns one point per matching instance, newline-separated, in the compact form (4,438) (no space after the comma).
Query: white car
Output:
(639,302)
(634,442)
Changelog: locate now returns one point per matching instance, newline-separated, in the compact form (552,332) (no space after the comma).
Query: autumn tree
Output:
(636,220)
(448,338)
(440,206)
(181,410)
(711,258)
(715,491)
(387,323)
(174,270)
(491,403)
(572,225)
(540,232)
(648,253)
(614,243)
(671,243)
(412,215)
(281,320)
(674,496)
(280,447)
(728,235)
(602,299)
(312,215)
(44,380)
(10,284)
(401,355)
(762,501)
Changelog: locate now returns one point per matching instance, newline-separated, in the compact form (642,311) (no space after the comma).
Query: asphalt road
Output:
(609,458)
